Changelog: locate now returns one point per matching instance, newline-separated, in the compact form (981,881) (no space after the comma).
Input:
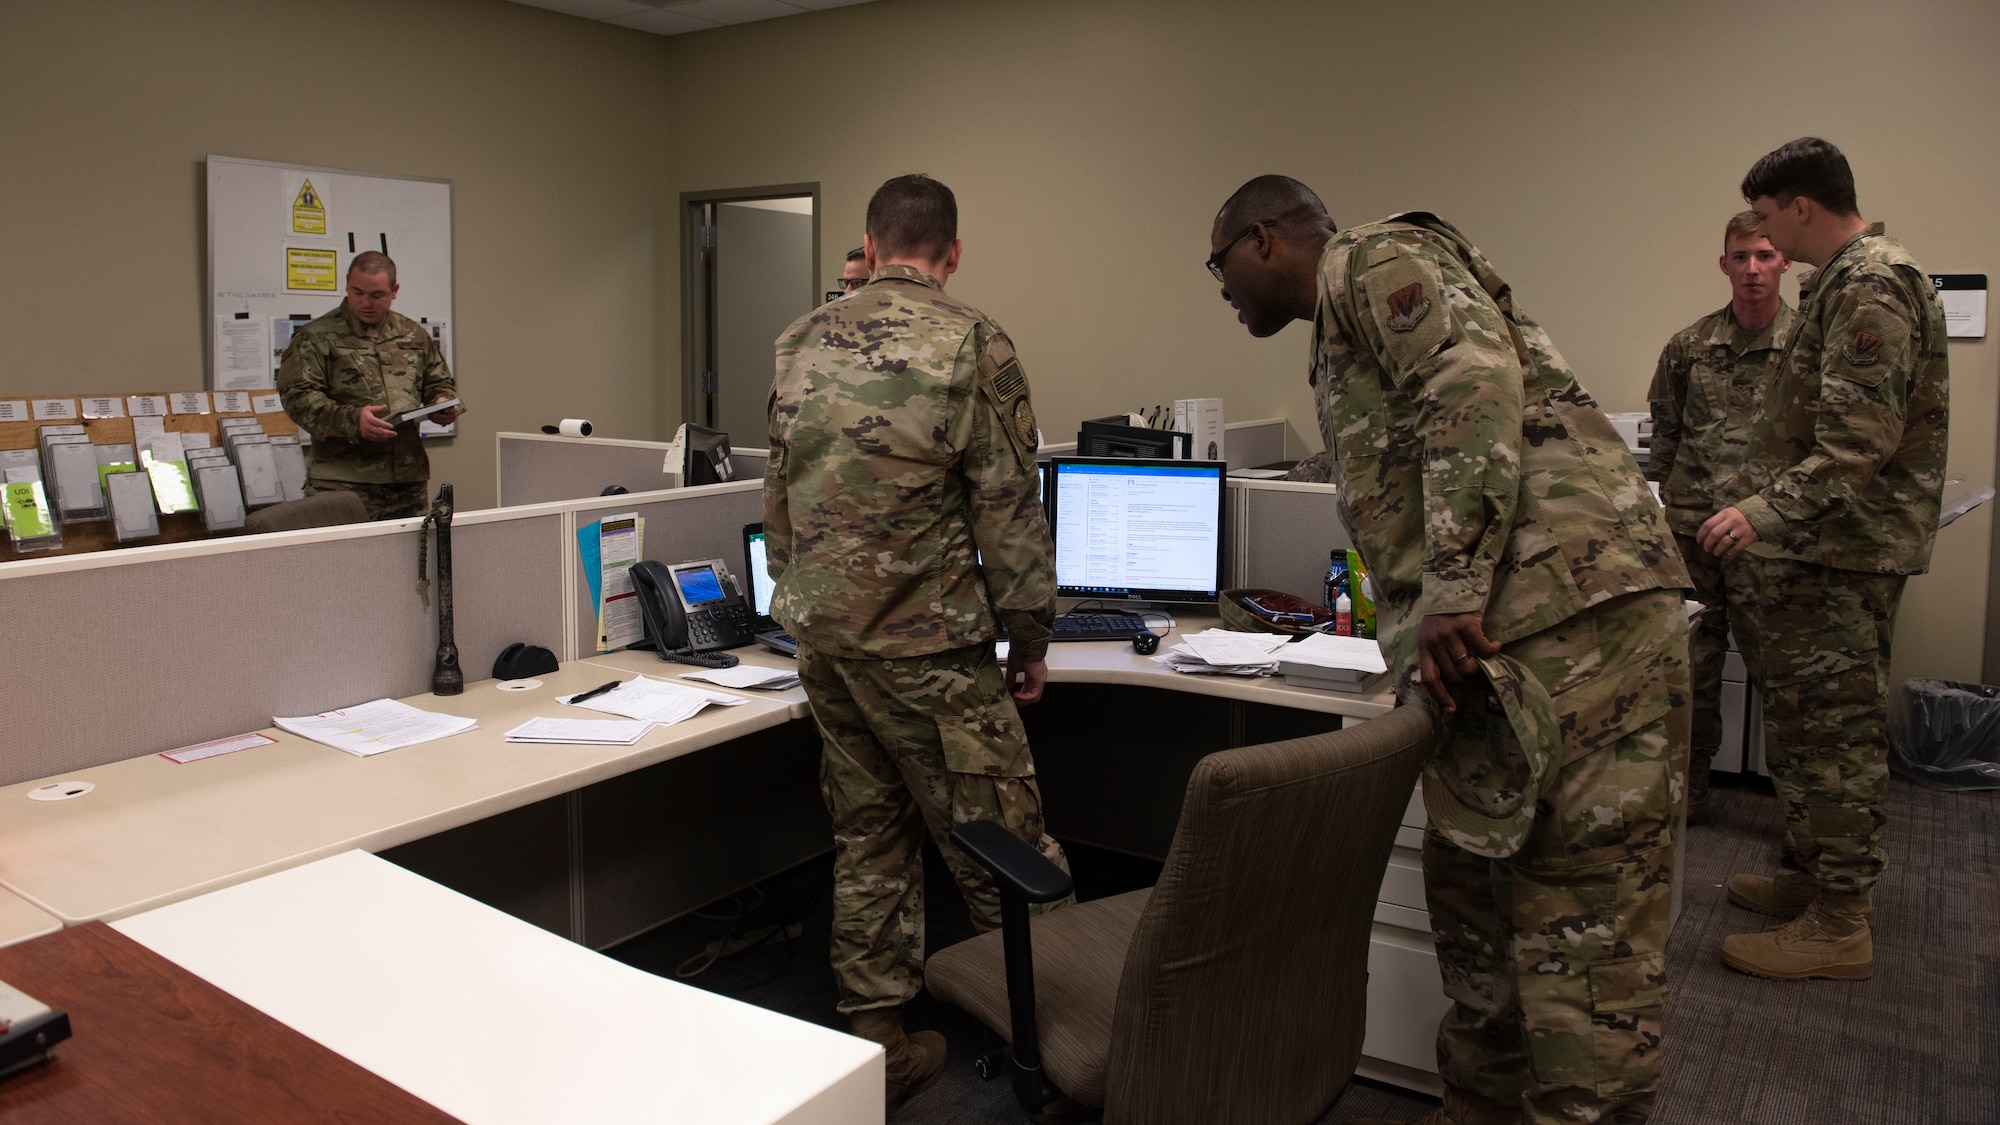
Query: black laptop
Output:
(769,633)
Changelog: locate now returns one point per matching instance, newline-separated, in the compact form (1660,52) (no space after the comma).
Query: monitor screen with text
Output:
(1138,530)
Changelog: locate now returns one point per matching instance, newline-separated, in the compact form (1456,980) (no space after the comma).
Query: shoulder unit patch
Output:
(1407,307)
(1864,347)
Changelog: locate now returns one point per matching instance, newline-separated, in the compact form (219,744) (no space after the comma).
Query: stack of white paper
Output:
(747,676)
(584,732)
(371,728)
(655,701)
(1225,652)
(1353,654)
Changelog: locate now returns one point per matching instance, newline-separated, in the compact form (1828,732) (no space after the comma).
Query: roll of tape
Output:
(518,685)
(574,427)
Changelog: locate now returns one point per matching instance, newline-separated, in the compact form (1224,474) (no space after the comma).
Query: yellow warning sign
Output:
(308,211)
(313,271)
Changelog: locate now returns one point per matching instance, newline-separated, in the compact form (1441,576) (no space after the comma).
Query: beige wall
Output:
(548,127)
(1592,150)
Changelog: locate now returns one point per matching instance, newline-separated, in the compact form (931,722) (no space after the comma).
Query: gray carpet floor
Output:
(1918,1044)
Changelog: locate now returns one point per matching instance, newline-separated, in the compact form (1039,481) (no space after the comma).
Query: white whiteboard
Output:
(278,256)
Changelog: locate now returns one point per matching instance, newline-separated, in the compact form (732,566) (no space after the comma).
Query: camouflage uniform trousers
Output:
(1825,638)
(1555,958)
(1727,592)
(382,501)
(912,746)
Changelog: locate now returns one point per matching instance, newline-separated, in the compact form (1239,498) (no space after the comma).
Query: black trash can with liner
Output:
(1946,734)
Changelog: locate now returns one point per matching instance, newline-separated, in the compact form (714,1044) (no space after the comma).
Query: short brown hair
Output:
(912,216)
(1743,224)
(372,262)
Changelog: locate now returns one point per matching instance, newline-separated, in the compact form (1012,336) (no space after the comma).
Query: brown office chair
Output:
(1233,990)
(323,509)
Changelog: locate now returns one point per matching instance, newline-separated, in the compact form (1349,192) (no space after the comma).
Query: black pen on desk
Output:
(593,693)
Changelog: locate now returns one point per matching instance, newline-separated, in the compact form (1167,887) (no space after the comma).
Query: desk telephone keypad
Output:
(725,624)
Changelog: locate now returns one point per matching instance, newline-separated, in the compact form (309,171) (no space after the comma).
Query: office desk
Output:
(496,1021)
(155,1043)
(156,831)
(20,921)
(600,843)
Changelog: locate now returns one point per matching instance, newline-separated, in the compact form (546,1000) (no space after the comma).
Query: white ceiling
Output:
(672,17)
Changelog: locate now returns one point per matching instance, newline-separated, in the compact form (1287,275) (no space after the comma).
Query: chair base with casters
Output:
(1235,989)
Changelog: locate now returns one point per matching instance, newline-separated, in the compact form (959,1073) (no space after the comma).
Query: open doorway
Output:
(750,266)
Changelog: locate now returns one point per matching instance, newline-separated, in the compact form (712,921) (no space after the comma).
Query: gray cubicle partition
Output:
(682,525)
(1284,532)
(544,468)
(135,652)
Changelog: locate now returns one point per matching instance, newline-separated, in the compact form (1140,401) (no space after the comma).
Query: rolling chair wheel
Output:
(990,1065)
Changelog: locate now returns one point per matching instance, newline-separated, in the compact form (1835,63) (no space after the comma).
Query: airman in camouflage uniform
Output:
(1847,467)
(343,372)
(904,524)
(1709,380)
(1527,588)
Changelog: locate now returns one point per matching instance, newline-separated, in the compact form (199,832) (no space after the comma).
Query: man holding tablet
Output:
(345,374)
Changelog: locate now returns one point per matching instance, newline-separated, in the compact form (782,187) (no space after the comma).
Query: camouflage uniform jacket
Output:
(902,442)
(1475,473)
(1705,392)
(336,365)
(1848,449)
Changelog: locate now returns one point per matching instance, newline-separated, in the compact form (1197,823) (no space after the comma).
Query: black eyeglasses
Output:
(850,284)
(1215,260)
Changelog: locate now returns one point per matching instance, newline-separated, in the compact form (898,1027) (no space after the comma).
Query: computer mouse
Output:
(1145,642)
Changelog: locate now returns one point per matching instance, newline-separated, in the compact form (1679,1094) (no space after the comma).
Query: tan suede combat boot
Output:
(1829,940)
(1786,896)
(913,1061)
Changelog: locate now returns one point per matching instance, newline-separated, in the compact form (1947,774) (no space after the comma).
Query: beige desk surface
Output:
(156,831)
(20,921)
(1084,662)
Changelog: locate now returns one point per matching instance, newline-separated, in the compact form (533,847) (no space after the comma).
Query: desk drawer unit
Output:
(1405,996)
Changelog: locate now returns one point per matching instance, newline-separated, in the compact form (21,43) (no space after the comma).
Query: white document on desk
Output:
(1223,648)
(747,676)
(1356,654)
(655,701)
(371,728)
(581,732)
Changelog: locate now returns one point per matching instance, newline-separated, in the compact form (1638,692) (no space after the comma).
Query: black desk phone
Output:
(692,610)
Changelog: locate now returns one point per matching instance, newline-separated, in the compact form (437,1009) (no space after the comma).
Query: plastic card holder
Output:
(165,464)
(291,462)
(70,467)
(259,474)
(25,510)
(229,426)
(132,513)
(115,458)
(221,497)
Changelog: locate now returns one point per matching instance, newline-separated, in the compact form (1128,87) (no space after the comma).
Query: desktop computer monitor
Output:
(707,460)
(1138,530)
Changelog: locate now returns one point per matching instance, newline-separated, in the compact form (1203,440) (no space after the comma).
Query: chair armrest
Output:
(1014,864)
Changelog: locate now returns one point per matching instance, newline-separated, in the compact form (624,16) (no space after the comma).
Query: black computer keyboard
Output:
(1098,627)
